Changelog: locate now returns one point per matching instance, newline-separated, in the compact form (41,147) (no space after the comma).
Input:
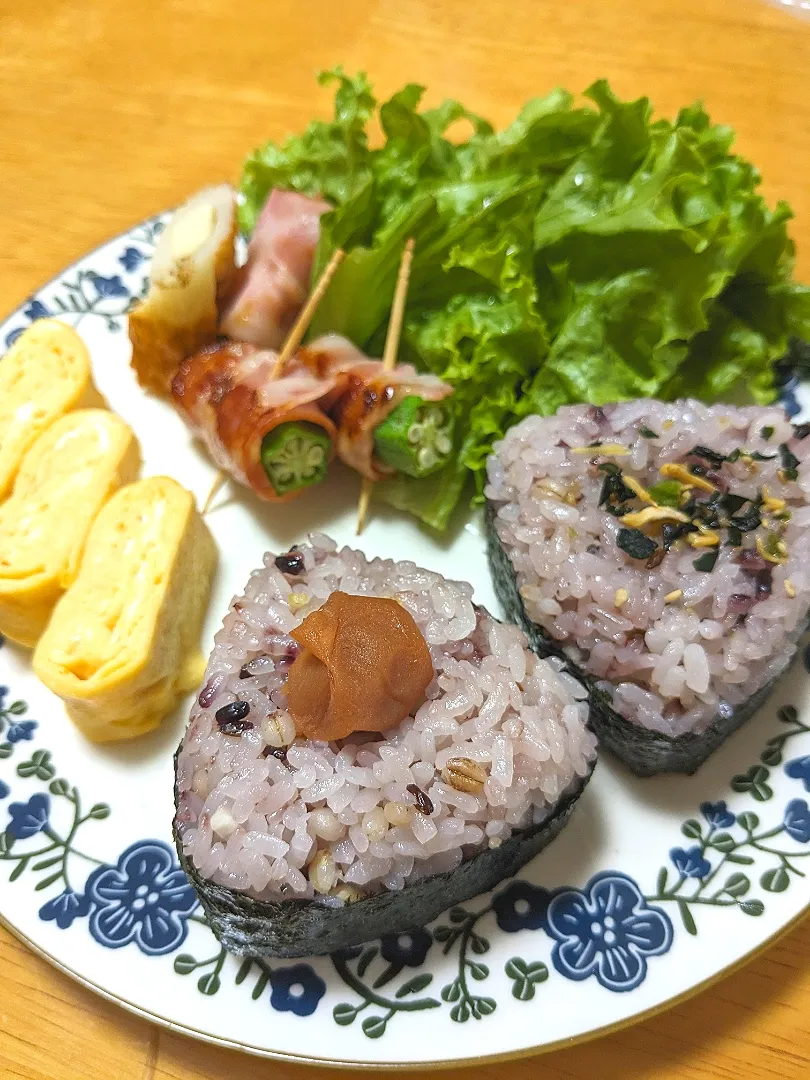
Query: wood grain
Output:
(110,112)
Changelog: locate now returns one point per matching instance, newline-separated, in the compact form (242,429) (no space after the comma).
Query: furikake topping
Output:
(614,492)
(690,501)
(667,493)
(735,537)
(790,463)
(706,561)
(754,455)
(708,455)
(635,544)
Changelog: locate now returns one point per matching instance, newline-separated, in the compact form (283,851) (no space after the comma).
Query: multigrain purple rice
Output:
(257,822)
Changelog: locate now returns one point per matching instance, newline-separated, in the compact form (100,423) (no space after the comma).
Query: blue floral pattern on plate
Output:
(521,906)
(296,989)
(145,898)
(131,259)
(690,863)
(799,769)
(64,908)
(27,819)
(607,930)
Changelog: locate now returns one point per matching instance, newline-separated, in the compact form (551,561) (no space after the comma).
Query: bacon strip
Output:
(275,280)
(362,396)
(230,400)
(230,397)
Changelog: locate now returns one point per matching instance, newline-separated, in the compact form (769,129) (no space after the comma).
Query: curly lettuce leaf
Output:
(582,254)
(330,158)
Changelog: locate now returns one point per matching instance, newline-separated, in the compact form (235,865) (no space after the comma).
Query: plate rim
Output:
(417,1066)
(347,1063)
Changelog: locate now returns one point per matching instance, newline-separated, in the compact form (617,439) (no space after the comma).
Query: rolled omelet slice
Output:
(63,482)
(192,272)
(44,375)
(123,644)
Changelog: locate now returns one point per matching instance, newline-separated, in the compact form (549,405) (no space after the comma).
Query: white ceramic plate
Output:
(656,886)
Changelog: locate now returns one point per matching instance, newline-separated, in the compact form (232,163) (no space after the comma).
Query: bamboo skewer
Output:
(294,339)
(301,324)
(389,359)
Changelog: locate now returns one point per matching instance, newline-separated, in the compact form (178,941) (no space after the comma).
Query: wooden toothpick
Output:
(219,480)
(294,339)
(389,359)
(301,325)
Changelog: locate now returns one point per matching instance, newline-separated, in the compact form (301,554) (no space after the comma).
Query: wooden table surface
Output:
(110,112)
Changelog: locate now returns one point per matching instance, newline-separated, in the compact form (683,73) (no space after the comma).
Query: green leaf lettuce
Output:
(582,254)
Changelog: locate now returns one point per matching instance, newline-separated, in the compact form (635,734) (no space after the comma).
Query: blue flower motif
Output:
(717,814)
(607,930)
(21,730)
(109,286)
(691,862)
(520,906)
(27,819)
(797,821)
(296,989)
(4,789)
(12,336)
(3,696)
(799,769)
(406,950)
(36,310)
(131,259)
(64,908)
(146,898)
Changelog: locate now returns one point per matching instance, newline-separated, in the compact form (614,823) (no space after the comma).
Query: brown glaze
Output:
(220,398)
(364,666)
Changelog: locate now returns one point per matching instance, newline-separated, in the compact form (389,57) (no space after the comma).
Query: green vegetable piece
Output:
(766,432)
(635,544)
(712,456)
(647,433)
(789,462)
(772,545)
(734,537)
(416,438)
(667,493)
(706,561)
(295,455)
(590,252)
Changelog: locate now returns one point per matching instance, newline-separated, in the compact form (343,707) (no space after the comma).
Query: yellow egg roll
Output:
(63,482)
(44,375)
(123,644)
